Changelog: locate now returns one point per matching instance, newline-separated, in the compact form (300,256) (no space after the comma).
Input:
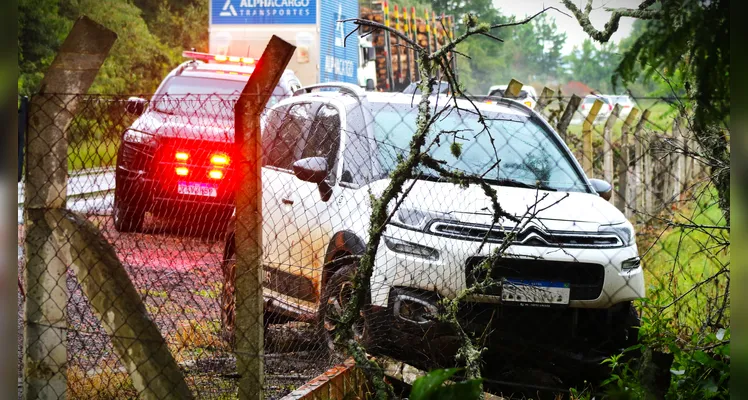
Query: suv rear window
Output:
(204,97)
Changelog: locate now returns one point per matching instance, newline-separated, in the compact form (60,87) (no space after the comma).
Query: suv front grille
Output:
(585,279)
(530,236)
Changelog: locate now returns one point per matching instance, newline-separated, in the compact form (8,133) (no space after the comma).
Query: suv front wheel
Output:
(337,294)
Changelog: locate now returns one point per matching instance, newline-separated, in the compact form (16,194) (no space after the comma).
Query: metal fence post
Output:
(45,331)
(587,153)
(249,277)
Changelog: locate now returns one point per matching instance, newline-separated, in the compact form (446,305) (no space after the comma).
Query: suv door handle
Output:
(287,201)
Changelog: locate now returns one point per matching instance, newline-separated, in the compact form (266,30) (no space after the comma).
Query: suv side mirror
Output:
(603,188)
(311,169)
(135,105)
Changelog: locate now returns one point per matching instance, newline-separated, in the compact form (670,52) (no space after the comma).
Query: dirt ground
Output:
(177,272)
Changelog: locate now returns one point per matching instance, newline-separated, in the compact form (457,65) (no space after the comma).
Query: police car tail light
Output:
(215,174)
(219,160)
(206,57)
(182,156)
(182,171)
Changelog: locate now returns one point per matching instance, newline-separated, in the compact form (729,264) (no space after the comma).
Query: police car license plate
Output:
(534,292)
(197,189)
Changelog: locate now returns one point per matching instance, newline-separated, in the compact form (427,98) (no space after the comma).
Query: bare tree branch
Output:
(366,22)
(528,19)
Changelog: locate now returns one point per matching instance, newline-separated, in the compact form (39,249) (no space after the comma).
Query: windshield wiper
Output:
(516,183)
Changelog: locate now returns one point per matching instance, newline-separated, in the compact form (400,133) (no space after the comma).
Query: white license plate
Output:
(197,189)
(534,291)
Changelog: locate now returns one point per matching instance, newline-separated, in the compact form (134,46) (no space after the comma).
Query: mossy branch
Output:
(611,27)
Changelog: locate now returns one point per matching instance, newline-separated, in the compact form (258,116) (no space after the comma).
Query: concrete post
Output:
(512,90)
(249,277)
(571,108)
(587,153)
(680,158)
(117,304)
(545,98)
(608,147)
(624,171)
(640,163)
(72,72)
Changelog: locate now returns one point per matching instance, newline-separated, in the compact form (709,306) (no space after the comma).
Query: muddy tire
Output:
(626,327)
(127,217)
(336,294)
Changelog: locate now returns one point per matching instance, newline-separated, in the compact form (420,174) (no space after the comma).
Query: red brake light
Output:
(182,171)
(182,156)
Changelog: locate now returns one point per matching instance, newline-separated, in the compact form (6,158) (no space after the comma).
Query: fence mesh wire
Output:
(550,289)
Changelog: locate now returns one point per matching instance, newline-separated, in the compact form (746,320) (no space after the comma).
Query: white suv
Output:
(575,264)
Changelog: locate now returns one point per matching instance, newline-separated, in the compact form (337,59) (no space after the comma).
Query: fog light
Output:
(403,247)
(630,264)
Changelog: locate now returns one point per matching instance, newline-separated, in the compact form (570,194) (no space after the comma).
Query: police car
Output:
(176,158)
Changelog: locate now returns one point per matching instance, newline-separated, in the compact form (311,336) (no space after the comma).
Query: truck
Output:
(325,49)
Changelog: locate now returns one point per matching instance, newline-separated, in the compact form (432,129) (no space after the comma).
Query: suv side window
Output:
(323,139)
(357,153)
(285,128)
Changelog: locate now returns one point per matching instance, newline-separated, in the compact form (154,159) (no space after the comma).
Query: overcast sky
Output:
(574,34)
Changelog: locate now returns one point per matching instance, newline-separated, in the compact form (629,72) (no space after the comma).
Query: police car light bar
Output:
(196,55)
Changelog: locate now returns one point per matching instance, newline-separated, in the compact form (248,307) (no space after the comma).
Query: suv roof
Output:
(352,93)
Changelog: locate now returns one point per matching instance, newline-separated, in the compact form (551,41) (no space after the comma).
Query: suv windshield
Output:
(204,97)
(528,154)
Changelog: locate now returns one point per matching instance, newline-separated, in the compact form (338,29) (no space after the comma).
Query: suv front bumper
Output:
(446,271)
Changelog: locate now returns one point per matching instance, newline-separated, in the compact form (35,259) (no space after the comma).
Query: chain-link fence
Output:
(496,253)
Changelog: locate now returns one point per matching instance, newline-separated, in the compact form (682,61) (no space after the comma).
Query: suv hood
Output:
(186,127)
(472,205)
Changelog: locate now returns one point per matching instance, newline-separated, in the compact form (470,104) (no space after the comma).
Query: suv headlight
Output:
(417,219)
(624,230)
(139,137)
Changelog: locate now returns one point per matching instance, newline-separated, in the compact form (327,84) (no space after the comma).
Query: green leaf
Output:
(466,390)
(425,386)
(702,358)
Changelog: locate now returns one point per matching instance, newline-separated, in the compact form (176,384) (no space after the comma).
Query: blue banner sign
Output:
(338,55)
(256,12)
